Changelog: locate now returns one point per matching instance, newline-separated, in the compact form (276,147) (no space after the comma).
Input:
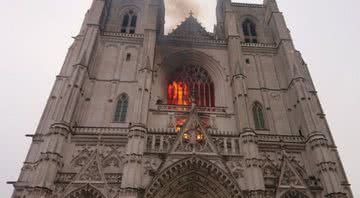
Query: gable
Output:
(191,28)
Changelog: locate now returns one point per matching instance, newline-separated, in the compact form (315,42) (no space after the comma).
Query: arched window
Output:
(121,108)
(189,79)
(129,22)
(258,116)
(249,30)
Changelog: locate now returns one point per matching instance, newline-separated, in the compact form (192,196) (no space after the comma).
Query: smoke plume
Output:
(178,10)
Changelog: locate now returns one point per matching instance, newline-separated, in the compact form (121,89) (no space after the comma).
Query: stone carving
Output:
(151,166)
(212,122)
(289,178)
(91,173)
(113,157)
(294,194)
(194,144)
(112,161)
(65,177)
(82,156)
(193,137)
(236,168)
(113,178)
(86,191)
(172,120)
(172,180)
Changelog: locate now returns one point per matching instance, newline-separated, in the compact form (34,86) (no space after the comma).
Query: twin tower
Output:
(135,113)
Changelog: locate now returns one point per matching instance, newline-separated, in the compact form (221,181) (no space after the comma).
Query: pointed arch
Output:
(86,191)
(179,179)
(217,73)
(129,21)
(249,31)
(190,78)
(121,108)
(258,115)
(294,194)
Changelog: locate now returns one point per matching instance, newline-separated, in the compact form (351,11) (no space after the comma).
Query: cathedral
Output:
(137,113)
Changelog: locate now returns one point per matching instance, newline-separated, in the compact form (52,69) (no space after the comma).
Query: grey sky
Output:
(36,34)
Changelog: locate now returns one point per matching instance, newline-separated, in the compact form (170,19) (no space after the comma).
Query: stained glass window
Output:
(191,79)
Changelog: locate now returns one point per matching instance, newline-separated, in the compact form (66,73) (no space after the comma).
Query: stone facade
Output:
(109,130)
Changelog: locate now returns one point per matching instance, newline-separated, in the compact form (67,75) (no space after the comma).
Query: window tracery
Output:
(129,22)
(249,30)
(121,108)
(191,79)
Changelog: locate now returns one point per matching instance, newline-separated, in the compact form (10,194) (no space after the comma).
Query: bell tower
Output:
(136,113)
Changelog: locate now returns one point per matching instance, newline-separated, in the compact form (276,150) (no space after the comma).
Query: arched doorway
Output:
(86,192)
(193,178)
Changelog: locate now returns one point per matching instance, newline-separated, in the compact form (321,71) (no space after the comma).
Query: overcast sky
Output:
(36,34)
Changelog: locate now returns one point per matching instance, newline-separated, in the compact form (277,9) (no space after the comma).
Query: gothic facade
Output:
(136,113)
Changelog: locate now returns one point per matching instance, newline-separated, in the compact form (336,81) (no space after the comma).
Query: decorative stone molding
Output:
(185,109)
(53,157)
(137,130)
(130,158)
(38,192)
(249,137)
(253,162)
(336,195)
(126,35)
(59,128)
(318,142)
(65,177)
(251,5)
(327,166)
(86,191)
(255,194)
(101,130)
(192,164)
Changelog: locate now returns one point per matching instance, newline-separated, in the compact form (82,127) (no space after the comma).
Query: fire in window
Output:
(191,79)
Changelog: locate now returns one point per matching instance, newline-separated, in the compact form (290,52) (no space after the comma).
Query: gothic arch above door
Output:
(86,192)
(193,177)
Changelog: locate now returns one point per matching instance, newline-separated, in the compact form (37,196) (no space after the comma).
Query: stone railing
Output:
(119,34)
(263,45)
(100,130)
(187,108)
(281,138)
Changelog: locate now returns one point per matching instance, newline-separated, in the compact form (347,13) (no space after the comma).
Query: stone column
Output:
(326,166)
(317,139)
(50,162)
(51,159)
(253,172)
(133,171)
(249,146)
